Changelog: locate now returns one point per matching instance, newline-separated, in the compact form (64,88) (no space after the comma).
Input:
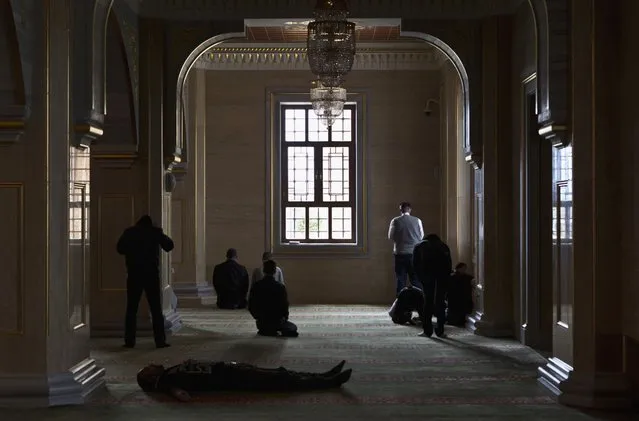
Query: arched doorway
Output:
(463,142)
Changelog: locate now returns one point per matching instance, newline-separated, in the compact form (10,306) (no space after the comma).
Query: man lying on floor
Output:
(192,376)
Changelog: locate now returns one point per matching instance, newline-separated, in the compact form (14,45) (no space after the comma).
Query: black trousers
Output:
(403,270)
(135,286)
(434,299)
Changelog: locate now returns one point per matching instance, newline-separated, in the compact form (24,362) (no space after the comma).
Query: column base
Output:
(72,387)
(172,321)
(194,295)
(597,391)
(553,375)
(481,325)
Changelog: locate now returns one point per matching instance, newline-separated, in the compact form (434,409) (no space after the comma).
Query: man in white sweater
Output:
(259,274)
(405,231)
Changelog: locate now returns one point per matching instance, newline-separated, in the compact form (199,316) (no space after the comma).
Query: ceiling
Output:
(212,10)
(298,33)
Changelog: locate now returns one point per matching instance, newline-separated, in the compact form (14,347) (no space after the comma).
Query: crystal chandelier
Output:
(328,102)
(331,53)
(331,42)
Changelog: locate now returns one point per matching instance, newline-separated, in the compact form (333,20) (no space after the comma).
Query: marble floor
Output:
(396,374)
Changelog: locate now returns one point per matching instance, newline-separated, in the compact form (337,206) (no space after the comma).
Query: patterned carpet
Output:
(397,375)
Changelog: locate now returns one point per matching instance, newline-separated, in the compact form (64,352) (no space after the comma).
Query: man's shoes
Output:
(266,333)
(439,331)
(335,370)
(164,345)
(342,377)
(128,346)
(291,334)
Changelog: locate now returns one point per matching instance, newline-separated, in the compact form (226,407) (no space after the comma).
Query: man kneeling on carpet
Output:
(192,376)
(268,304)
(408,300)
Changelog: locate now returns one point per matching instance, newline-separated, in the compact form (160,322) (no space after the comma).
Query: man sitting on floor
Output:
(258,273)
(191,376)
(460,296)
(409,299)
(268,304)
(231,282)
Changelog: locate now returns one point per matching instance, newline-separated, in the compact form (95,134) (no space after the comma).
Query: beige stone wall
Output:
(404,161)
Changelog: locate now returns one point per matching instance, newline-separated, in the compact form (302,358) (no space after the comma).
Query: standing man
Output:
(433,265)
(405,231)
(140,245)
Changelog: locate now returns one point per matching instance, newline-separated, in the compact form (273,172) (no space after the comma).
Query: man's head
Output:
(269,267)
(461,267)
(148,377)
(145,221)
(433,238)
(231,253)
(405,207)
(266,256)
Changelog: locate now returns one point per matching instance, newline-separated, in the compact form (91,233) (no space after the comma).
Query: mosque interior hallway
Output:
(397,374)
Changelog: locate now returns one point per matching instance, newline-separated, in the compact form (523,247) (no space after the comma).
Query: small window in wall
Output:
(319,181)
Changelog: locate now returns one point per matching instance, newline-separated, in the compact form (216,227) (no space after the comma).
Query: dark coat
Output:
(231,283)
(140,244)
(431,259)
(269,300)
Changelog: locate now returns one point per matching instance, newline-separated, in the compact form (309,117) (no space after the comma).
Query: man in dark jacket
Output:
(409,299)
(140,245)
(191,376)
(460,295)
(268,304)
(433,265)
(231,282)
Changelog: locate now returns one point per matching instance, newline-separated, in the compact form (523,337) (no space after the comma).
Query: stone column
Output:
(495,319)
(458,174)
(189,204)
(44,330)
(598,376)
(119,176)
(161,181)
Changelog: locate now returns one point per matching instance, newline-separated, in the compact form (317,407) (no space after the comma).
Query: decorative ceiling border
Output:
(240,9)
(294,58)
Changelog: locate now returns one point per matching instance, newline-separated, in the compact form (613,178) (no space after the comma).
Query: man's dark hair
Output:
(231,253)
(267,255)
(145,221)
(404,206)
(269,267)
(433,238)
(460,265)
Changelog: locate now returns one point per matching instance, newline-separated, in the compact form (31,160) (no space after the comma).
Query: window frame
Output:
(318,167)
(277,181)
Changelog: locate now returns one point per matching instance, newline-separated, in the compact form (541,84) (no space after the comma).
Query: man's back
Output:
(405,231)
(432,258)
(140,244)
(268,300)
(230,277)
(258,274)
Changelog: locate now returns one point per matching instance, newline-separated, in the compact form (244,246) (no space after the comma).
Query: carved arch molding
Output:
(552,19)
(192,52)
(89,20)
(553,63)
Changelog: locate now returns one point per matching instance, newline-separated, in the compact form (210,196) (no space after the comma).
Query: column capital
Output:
(12,124)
